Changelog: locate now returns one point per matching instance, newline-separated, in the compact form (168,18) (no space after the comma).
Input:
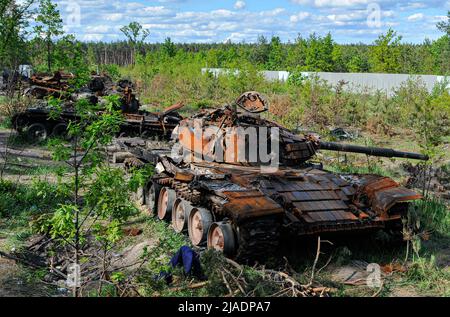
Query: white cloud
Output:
(114,17)
(301,16)
(347,19)
(416,17)
(332,3)
(239,5)
(98,29)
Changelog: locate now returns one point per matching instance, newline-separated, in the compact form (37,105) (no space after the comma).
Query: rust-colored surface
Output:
(316,201)
(383,193)
(252,102)
(172,109)
(243,205)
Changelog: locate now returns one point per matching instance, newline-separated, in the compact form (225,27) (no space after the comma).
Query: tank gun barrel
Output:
(373,151)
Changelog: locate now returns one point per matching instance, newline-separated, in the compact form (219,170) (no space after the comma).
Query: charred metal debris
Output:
(38,123)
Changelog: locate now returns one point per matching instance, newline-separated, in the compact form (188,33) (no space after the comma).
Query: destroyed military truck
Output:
(211,187)
(38,123)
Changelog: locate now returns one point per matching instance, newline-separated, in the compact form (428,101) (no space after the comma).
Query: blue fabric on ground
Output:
(187,258)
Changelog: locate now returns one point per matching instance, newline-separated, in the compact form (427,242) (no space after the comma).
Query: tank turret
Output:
(236,134)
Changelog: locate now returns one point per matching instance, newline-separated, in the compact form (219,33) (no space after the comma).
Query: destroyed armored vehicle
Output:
(39,124)
(212,186)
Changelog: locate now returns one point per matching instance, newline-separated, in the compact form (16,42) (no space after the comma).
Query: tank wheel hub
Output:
(200,220)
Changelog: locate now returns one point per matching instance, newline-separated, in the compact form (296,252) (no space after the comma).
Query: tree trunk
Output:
(49,59)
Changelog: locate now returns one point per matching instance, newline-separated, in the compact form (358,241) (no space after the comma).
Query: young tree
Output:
(136,35)
(169,48)
(101,194)
(48,26)
(297,54)
(319,54)
(276,54)
(385,54)
(261,51)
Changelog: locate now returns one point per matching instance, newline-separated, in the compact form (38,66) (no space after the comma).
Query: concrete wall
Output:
(355,82)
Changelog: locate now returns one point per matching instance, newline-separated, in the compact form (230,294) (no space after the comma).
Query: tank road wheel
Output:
(200,220)
(180,215)
(37,132)
(60,131)
(166,199)
(151,198)
(221,238)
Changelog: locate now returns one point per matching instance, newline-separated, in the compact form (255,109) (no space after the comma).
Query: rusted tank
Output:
(213,187)
(38,122)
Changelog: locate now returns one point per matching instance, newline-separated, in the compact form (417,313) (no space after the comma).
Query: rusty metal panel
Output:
(386,199)
(243,205)
(320,205)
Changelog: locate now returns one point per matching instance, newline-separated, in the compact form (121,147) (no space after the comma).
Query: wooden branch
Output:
(226,284)
(315,261)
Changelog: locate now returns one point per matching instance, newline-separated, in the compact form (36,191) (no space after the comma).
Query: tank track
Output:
(258,239)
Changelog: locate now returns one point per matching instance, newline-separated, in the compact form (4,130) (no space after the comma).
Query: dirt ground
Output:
(15,281)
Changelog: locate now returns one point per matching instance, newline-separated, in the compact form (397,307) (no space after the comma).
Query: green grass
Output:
(36,171)
(371,169)
(21,204)
(433,214)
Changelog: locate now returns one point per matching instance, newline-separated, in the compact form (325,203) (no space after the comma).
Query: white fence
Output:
(355,82)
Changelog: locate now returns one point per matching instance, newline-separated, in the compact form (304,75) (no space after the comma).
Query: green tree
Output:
(319,55)
(136,35)
(441,48)
(276,54)
(48,26)
(261,51)
(169,48)
(385,54)
(296,54)
(101,195)
(13,23)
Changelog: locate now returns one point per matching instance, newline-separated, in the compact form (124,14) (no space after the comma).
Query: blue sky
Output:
(349,21)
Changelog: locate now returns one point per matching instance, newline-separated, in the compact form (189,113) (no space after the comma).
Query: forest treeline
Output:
(312,53)
(46,47)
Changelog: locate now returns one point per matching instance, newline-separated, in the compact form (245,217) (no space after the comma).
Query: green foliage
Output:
(348,168)
(135,32)
(48,24)
(112,70)
(431,214)
(14,20)
(319,54)
(385,54)
(425,275)
(140,176)
(62,222)
(214,264)
(108,195)
(169,48)
(38,198)
(276,54)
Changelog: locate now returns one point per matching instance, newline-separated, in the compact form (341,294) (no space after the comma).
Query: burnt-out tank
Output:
(215,188)
(39,123)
